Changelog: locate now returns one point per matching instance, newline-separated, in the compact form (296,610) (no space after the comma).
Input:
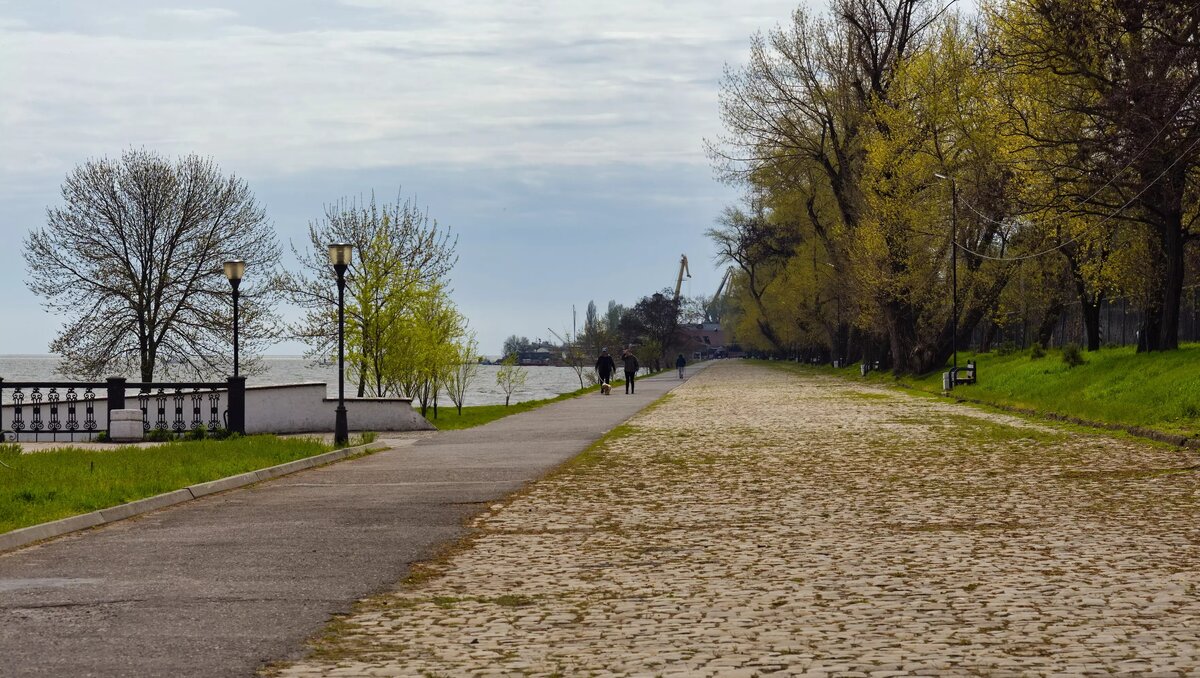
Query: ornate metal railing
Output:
(49,408)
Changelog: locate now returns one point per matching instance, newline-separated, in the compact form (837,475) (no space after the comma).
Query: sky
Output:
(561,141)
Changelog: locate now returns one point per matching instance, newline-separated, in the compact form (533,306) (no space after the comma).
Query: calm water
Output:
(542,382)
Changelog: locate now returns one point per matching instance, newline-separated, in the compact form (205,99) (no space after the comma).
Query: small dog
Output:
(605,388)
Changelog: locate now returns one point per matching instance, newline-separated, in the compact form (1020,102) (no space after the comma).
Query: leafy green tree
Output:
(653,320)
(399,255)
(1117,128)
(464,370)
(515,344)
(441,329)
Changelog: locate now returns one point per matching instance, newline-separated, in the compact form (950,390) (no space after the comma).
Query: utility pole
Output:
(953,259)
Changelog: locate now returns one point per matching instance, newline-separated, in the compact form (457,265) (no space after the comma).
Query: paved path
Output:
(221,585)
(764,523)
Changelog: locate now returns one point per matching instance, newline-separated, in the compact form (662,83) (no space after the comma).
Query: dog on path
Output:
(605,388)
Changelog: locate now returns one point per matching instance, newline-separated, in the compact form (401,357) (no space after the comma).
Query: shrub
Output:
(198,433)
(1037,351)
(1007,348)
(218,434)
(1072,355)
(160,435)
(103,437)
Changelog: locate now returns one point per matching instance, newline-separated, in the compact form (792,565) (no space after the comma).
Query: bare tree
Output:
(510,377)
(574,355)
(133,260)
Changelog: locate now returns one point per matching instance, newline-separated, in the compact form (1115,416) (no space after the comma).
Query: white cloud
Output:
(205,15)
(442,83)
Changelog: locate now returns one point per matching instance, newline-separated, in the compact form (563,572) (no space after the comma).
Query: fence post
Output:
(237,405)
(116,394)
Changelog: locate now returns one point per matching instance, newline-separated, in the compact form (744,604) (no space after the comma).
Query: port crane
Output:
(683,269)
(710,312)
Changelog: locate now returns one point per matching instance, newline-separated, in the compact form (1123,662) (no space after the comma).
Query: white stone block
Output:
(125,426)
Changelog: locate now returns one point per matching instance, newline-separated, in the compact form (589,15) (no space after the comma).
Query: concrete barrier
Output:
(125,426)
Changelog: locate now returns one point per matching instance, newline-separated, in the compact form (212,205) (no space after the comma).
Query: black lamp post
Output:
(339,256)
(953,259)
(234,270)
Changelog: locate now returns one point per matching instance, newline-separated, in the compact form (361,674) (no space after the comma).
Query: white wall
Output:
(303,408)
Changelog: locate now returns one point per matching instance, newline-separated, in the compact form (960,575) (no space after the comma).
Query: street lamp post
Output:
(953,260)
(234,270)
(339,256)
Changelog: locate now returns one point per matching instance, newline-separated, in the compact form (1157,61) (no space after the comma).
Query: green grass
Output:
(449,419)
(44,486)
(1158,391)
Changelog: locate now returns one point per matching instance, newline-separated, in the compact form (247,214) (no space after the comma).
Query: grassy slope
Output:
(1159,391)
(44,486)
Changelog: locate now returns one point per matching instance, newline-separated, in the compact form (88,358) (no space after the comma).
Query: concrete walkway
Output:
(222,585)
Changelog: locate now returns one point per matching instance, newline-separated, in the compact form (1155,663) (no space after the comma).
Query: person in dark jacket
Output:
(631,368)
(679,363)
(605,366)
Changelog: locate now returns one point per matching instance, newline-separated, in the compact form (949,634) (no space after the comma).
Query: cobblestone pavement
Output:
(759,522)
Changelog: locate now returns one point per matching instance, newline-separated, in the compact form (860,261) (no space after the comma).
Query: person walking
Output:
(605,367)
(631,368)
(679,363)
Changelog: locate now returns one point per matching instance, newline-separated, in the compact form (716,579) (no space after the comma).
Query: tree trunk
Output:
(853,348)
(1089,306)
(1045,329)
(989,336)
(1091,321)
(1173,252)
(768,332)
(902,336)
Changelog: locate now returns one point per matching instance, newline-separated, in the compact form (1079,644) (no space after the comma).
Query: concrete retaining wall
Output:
(302,408)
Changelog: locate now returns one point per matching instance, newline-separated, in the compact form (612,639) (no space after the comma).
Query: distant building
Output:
(538,357)
(703,341)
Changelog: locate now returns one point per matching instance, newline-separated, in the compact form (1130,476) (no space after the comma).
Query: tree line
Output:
(132,259)
(653,326)
(898,153)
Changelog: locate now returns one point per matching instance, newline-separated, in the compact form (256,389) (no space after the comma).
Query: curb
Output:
(34,533)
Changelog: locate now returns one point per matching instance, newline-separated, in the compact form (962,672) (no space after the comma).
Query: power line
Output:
(1128,164)
(1097,225)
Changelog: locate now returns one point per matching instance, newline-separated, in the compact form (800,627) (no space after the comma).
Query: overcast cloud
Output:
(562,140)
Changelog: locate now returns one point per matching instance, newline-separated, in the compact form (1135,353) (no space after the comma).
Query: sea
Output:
(540,382)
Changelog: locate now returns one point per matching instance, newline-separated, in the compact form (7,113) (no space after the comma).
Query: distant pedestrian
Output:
(679,363)
(631,368)
(605,367)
